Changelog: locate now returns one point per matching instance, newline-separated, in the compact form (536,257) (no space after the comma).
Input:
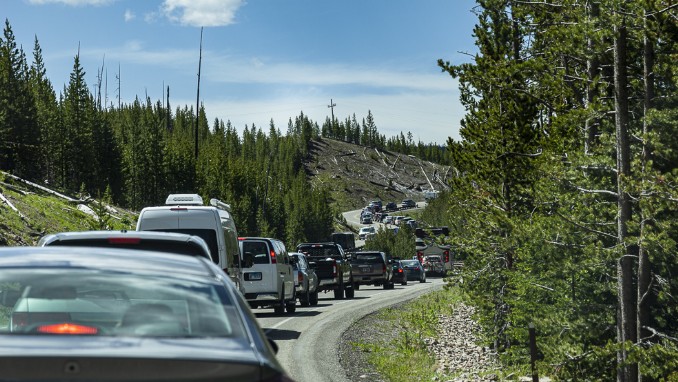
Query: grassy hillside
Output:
(353,174)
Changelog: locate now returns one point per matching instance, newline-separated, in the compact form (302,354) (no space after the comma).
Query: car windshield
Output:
(95,302)
(410,263)
(371,258)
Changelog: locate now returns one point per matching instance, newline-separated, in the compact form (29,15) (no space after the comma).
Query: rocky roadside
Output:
(455,349)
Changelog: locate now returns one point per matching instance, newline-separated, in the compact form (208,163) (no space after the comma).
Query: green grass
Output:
(406,357)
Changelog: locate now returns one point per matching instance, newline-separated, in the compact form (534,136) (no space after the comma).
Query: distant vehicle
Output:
(93,313)
(364,231)
(267,280)
(375,206)
(399,273)
(185,213)
(431,194)
(433,265)
(366,218)
(332,267)
(305,279)
(345,239)
(388,219)
(171,242)
(390,206)
(409,203)
(397,220)
(371,268)
(415,271)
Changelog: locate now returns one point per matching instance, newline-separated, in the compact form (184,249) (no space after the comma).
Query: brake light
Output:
(383,268)
(300,277)
(124,240)
(400,270)
(447,256)
(273,260)
(67,328)
(178,209)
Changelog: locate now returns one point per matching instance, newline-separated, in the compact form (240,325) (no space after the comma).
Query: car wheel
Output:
(356,286)
(350,292)
(291,306)
(314,298)
(422,280)
(339,291)
(305,300)
(404,282)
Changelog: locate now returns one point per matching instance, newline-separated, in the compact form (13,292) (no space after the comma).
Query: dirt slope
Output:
(357,174)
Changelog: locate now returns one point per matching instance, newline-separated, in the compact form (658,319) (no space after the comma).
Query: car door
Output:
(284,268)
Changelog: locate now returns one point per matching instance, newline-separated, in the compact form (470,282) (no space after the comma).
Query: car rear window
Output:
(178,247)
(372,258)
(259,251)
(319,250)
(98,302)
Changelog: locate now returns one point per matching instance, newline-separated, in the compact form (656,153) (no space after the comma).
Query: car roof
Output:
(110,259)
(83,236)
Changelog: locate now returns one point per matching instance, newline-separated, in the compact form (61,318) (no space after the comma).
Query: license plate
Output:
(253,276)
(366,269)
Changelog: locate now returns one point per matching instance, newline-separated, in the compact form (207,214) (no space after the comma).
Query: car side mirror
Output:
(248,260)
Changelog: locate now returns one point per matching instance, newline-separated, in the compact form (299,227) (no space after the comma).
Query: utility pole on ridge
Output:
(331,106)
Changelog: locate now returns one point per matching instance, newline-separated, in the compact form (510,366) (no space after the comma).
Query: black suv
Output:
(409,203)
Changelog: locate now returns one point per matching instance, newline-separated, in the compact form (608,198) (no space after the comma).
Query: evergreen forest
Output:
(564,209)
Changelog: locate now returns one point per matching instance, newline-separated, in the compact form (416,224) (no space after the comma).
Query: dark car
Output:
(409,203)
(399,273)
(93,313)
(179,243)
(415,271)
(390,206)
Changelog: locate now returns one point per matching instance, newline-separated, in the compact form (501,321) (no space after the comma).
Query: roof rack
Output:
(184,200)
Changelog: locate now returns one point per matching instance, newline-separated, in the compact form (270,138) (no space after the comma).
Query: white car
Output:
(364,231)
(268,274)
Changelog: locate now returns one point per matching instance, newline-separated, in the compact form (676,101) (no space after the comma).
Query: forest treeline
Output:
(565,207)
(136,154)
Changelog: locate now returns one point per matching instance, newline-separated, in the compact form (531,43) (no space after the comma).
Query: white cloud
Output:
(129,15)
(208,13)
(75,3)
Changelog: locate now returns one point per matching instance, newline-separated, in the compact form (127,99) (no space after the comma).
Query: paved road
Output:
(308,339)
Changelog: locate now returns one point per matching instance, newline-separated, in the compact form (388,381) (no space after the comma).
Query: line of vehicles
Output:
(184,274)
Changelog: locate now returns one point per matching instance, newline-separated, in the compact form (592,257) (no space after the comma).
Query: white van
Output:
(185,213)
(268,278)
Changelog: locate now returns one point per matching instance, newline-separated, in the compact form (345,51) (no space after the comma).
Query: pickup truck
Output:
(371,268)
(331,266)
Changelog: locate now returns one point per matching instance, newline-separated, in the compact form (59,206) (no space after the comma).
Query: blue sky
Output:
(265,59)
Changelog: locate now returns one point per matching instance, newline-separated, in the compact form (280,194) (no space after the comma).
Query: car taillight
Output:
(273,260)
(447,256)
(300,277)
(334,270)
(67,328)
(383,268)
(400,270)
(124,240)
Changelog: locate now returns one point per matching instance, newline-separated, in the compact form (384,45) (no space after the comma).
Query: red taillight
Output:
(300,277)
(334,270)
(273,260)
(67,328)
(447,256)
(124,240)
(383,268)
(400,270)
(420,256)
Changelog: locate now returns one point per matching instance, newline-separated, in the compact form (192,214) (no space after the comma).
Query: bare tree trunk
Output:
(592,66)
(644,265)
(626,316)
